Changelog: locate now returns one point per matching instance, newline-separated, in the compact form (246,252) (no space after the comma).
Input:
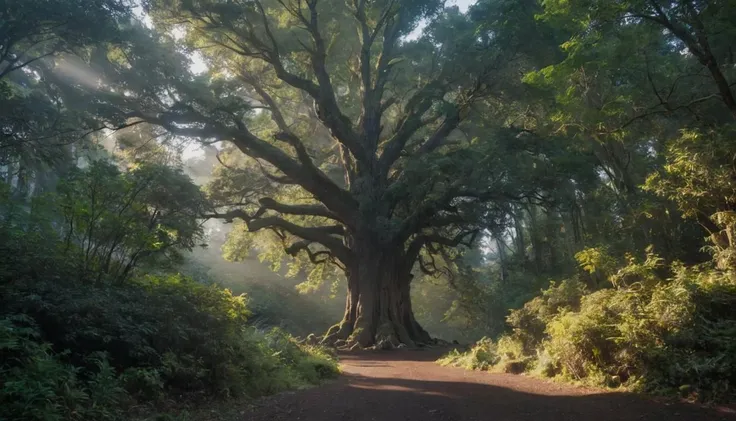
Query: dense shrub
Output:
(163,336)
(675,336)
(74,348)
(483,355)
(37,384)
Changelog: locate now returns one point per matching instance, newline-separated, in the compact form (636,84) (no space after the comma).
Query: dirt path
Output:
(409,386)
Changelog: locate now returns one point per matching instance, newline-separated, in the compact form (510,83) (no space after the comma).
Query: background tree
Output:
(41,133)
(118,222)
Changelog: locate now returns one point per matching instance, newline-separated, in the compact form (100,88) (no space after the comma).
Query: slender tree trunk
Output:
(501,245)
(378,308)
(535,237)
(723,86)
(552,233)
(520,245)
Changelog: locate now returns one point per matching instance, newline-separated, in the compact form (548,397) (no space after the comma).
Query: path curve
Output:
(409,386)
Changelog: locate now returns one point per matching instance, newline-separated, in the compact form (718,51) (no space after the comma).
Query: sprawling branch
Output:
(285,134)
(413,118)
(420,241)
(410,122)
(416,220)
(428,215)
(372,92)
(365,48)
(229,216)
(310,178)
(316,257)
(317,234)
(697,43)
(328,235)
(304,210)
(450,123)
(247,42)
(392,28)
(322,235)
(17,63)
(327,107)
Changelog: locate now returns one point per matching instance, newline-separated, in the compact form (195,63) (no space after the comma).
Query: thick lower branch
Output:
(305,210)
(310,178)
(328,235)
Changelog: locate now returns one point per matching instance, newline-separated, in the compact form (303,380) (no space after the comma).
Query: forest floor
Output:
(410,386)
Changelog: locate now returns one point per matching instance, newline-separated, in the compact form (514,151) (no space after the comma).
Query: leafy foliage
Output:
(75,350)
(663,336)
(124,220)
(43,131)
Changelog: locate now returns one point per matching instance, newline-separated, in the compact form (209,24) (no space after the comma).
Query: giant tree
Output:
(358,143)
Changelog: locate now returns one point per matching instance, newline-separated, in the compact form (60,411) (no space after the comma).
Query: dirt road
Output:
(409,386)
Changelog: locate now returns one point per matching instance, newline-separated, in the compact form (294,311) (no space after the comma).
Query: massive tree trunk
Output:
(378,309)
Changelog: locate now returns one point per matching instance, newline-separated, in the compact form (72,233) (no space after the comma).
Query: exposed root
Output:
(311,339)
(362,337)
(391,335)
(403,336)
(338,332)
(388,335)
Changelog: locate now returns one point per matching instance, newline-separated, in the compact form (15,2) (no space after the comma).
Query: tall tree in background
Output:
(39,128)
(635,77)
(117,222)
(701,28)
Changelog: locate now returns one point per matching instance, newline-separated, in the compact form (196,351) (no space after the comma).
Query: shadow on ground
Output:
(408,386)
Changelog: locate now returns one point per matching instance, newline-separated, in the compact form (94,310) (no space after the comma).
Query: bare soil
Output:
(408,386)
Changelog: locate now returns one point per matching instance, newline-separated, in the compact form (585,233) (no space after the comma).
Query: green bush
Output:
(505,356)
(675,336)
(186,335)
(73,348)
(144,383)
(36,383)
(528,323)
(483,355)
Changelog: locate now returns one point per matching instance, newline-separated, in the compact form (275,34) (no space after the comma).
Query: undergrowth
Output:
(669,336)
(75,348)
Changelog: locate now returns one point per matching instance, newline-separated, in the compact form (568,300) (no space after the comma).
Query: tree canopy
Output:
(360,148)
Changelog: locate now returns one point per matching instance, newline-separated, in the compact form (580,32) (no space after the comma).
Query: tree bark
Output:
(378,310)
